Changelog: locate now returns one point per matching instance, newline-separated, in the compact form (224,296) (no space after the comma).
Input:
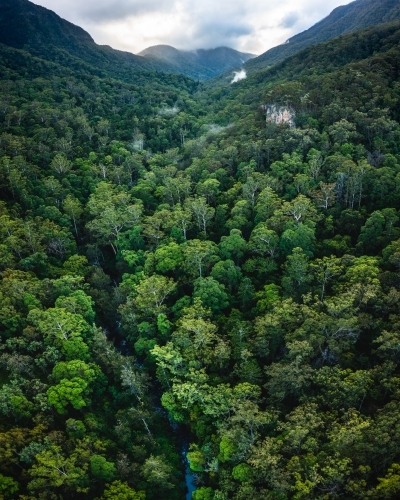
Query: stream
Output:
(189,476)
(180,432)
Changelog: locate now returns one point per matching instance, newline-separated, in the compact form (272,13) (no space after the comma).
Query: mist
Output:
(239,75)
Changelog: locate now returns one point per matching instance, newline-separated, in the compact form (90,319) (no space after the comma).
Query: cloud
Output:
(104,11)
(213,34)
(251,26)
(239,75)
(289,20)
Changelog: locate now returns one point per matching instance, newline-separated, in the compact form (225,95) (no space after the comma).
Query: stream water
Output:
(189,476)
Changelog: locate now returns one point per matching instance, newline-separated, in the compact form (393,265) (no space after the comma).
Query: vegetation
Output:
(174,265)
(24,25)
(199,64)
(356,15)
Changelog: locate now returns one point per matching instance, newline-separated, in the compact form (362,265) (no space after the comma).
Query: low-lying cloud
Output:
(252,26)
(239,75)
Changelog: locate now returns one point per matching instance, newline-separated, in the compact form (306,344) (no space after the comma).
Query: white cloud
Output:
(239,75)
(251,26)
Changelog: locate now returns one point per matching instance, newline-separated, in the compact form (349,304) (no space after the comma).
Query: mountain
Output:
(200,64)
(199,274)
(354,16)
(44,34)
(24,25)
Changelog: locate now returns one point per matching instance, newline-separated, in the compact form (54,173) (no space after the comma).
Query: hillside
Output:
(316,60)
(199,64)
(24,25)
(41,32)
(354,16)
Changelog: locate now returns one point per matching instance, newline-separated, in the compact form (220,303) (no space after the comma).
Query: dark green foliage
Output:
(242,275)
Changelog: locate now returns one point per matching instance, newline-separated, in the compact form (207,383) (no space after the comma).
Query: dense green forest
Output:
(177,270)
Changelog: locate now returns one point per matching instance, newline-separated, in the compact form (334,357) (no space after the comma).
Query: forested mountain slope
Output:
(199,64)
(41,32)
(24,25)
(177,268)
(352,17)
(320,59)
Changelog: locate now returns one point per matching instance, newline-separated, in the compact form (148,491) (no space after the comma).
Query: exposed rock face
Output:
(279,115)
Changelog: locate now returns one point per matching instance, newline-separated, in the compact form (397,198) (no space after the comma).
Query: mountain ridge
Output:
(203,62)
(354,16)
(43,33)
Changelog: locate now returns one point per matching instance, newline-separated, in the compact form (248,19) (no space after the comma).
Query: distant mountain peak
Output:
(199,63)
(157,50)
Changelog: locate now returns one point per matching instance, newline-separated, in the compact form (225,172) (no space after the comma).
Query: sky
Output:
(249,26)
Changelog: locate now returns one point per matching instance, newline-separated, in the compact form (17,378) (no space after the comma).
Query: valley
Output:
(199,274)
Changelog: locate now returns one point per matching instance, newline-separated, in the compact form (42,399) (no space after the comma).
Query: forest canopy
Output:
(176,270)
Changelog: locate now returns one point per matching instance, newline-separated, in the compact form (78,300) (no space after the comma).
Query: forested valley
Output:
(179,269)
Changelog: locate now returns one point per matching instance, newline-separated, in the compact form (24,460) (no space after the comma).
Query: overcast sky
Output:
(250,26)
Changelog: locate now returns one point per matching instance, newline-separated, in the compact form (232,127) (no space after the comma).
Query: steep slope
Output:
(24,25)
(199,64)
(354,16)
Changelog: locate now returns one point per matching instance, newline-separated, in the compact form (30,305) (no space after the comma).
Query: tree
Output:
(78,303)
(267,202)
(389,486)
(52,469)
(68,392)
(342,131)
(59,326)
(227,273)
(103,470)
(371,234)
(209,189)
(298,236)
(153,225)
(297,275)
(136,381)
(300,210)
(151,293)
(202,213)
(264,241)
(211,293)
(73,369)
(203,493)
(183,219)
(73,207)
(122,491)
(158,472)
(113,214)
(168,258)
(233,246)
(199,256)
(243,473)
(324,270)
(326,196)
(8,487)
(343,388)
(61,164)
